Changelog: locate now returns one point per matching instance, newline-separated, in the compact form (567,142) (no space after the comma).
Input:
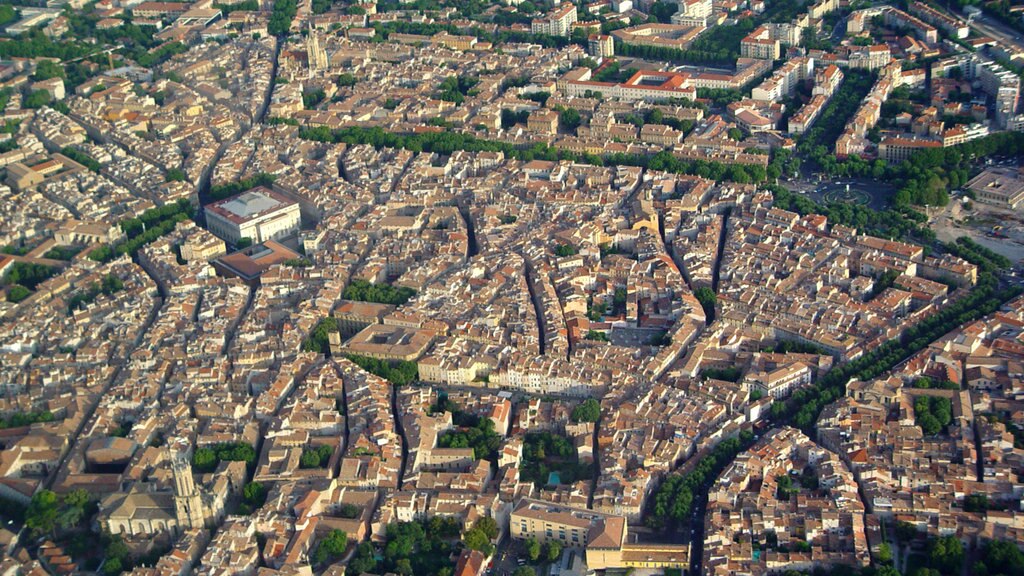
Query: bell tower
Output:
(188,503)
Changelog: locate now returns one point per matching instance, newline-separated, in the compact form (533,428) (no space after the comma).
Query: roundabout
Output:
(845,193)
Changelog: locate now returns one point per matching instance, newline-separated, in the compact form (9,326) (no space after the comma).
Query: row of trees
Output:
(229,189)
(82,158)
(818,142)
(152,224)
(802,408)
(986,260)
(449,142)
(673,500)
(384,29)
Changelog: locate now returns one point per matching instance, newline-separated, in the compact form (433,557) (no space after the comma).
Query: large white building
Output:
(558,22)
(259,214)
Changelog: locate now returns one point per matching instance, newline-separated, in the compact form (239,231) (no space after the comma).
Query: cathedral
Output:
(143,512)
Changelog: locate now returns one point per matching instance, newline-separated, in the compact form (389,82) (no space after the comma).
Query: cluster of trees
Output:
(999,558)
(924,383)
(569,119)
(932,413)
(316,457)
(945,557)
(36,44)
(222,191)
(17,293)
(794,347)
(456,88)
(810,40)
(8,14)
(720,97)
(885,280)
(82,158)
(281,17)
(331,548)
(718,46)
(28,274)
(150,58)
(23,278)
(349,511)
(62,252)
(597,336)
(312,98)
(510,118)
(398,372)
(346,80)
(444,404)
(655,116)
(47,69)
(544,453)
(319,339)
(587,411)
(898,222)
(415,548)
(18,249)
(254,495)
(35,99)
(614,73)
(707,298)
(730,374)
(976,503)
(926,176)
(535,553)
(152,224)
(365,559)
(673,500)
(244,5)
(207,459)
(565,250)
(482,535)
(663,11)
(47,511)
(364,291)
(277,120)
(1000,10)
(19,419)
(482,438)
(298,262)
(109,285)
